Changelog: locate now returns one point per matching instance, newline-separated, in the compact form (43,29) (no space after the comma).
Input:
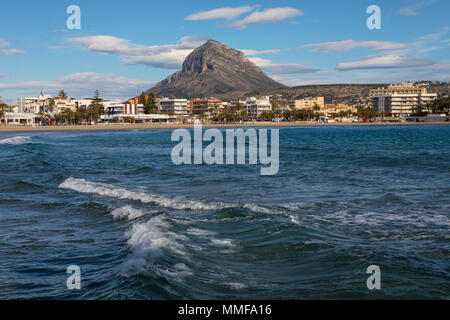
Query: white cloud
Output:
(8,52)
(3,75)
(310,82)
(347,45)
(4,43)
(260,62)
(250,52)
(11,52)
(412,10)
(55,47)
(430,42)
(288,68)
(219,13)
(408,11)
(169,56)
(384,62)
(280,69)
(84,85)
(267,16)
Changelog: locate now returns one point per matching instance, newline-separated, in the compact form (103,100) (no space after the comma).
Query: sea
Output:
(137,226)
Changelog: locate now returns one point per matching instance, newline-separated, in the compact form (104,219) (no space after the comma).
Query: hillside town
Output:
(395,103)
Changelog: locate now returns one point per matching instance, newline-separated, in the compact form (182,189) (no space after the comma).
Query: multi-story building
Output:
(131,109)
(177,107)
(400,100)
(204,106)
(83,103)
(334,109)
(35,105)
(61,104)
(255,107)
(307,103)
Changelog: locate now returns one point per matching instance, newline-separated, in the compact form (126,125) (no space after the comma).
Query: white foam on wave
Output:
(127,212)
(378,219)
(295,220)
(236,285)
(17,141)
(103,189)
(107,190)
(154,235)
(257,208)
(200,232)
(223,242)
(149,243)
(178,272)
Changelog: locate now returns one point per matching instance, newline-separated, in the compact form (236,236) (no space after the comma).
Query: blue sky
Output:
(124,47)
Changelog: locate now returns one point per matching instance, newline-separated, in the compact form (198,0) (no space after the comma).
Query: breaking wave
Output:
(103,189)
(17,141)
(127,212)
(150,243)
(180,203)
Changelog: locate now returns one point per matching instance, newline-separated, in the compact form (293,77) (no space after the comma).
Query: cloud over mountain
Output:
(169,56)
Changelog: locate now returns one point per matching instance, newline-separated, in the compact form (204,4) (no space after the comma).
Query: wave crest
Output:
(103,189)
(180,203)
(127,212)
(150,243)
(17,141)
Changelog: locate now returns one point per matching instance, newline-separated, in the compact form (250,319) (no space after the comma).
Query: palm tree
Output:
(97,105)
(440,105)
(150,104)
(3,106)
(2,114)
(62,94)
(243,115)
(80,115)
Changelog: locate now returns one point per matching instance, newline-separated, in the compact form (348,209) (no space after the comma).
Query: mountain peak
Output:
(214,69)
(213,42)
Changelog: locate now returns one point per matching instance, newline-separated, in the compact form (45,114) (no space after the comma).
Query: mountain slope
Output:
(215,70)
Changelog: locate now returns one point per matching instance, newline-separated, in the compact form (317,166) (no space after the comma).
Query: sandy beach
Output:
(157,126)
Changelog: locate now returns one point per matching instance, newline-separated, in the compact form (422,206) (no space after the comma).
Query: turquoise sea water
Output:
(140,227)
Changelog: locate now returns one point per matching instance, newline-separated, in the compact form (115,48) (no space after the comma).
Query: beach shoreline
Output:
(157,126)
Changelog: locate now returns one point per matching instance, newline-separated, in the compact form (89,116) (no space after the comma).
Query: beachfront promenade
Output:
(157,126)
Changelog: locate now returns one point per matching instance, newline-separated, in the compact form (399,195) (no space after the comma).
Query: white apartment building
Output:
(34,104)
(400,100)
(61,104)
(41,104)
(177,107)
(110,102)
(85,102)
(257,106)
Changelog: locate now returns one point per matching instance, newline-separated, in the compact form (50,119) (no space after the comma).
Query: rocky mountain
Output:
(215,70)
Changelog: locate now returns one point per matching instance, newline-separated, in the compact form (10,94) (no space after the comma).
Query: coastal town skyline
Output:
(122,56)
(231,157)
